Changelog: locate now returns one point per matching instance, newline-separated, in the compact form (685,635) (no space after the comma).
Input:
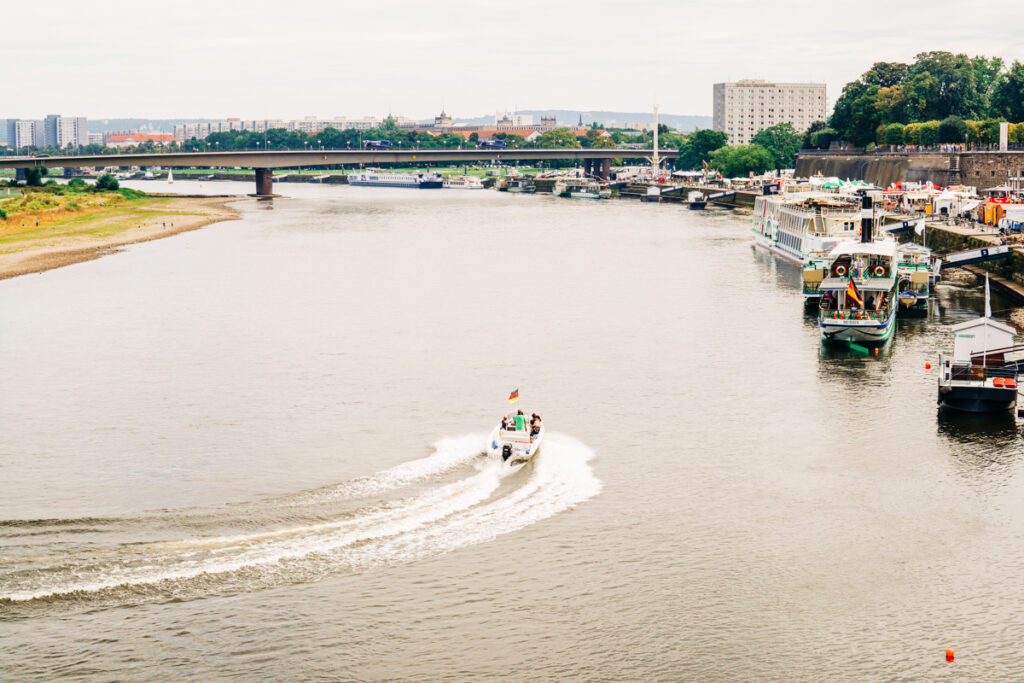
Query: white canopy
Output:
(877,248)
(978,335)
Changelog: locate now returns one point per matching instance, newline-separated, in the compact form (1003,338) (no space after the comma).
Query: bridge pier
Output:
(606,169)
(264,182)
(588,167)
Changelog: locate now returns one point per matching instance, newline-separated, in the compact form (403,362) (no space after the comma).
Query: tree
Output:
(1008,97)
(107,182)
(34,176)
(782,142)
(928,133)
(698,148)
(886,74)
(811,130)
(742,160)
(893,134)
(823,138)
(558,137)
(952,129)
(855,115)
(474,136)
(77,184)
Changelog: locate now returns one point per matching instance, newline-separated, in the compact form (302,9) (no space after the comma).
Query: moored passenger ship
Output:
(423,181)
(800,227)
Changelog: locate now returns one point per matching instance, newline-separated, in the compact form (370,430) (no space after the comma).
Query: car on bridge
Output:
(491,143)
(378,144)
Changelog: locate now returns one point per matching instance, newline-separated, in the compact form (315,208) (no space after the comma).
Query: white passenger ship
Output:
(423,181)
(799,227)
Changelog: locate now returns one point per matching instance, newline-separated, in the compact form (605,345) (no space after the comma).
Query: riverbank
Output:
(37,240)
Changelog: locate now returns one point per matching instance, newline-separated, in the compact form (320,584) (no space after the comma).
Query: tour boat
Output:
(696,200)
(979,378)
(423,181)
(515,446)
(800,227)
(560,188)
(463,182)
(857,302)
(916,274)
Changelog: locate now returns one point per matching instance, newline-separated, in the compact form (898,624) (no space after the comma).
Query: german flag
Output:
(853,295)
(514,396)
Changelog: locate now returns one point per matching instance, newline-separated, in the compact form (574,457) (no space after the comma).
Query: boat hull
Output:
(514,452)
(425,185)
(698,206)
(857,331)
(977,399)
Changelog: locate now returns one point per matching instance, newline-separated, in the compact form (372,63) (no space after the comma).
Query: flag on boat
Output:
(919,228)
(988,304)
(514,396)
(853,295)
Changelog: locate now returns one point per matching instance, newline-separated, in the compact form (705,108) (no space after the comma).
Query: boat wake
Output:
(419,509)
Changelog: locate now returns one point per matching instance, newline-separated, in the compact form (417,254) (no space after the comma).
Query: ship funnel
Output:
(867,219)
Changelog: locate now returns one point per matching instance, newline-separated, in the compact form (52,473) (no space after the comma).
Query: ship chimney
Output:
(867,219)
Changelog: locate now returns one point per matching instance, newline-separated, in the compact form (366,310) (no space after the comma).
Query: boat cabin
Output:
(872,267)
(982,341)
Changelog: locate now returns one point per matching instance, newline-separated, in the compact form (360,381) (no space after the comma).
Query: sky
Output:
(256,59)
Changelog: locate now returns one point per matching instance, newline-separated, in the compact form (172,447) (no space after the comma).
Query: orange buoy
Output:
(876,350)
(927,366)
(949,655)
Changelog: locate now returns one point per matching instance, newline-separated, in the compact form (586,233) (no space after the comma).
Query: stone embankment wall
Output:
(980,169)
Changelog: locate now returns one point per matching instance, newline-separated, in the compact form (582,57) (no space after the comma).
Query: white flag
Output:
(919,228)
(988,305)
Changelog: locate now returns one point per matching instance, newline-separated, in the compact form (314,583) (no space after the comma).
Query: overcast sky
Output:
(259,59)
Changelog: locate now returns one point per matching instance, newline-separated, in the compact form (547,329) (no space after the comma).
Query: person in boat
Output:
(869,303)
(858,267)
(535,425)
(520,421)
(504,423)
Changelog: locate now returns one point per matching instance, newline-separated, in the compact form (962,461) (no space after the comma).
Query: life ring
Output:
(840,271)
(879,271)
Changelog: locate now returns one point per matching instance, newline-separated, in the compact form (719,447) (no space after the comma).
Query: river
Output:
(253,451)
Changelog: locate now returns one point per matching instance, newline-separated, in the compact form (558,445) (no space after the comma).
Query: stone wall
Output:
(980,169)
(990,169)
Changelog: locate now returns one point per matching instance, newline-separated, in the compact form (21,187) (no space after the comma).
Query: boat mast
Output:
(655,162)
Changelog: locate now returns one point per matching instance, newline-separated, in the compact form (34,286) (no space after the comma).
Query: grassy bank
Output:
(53,226)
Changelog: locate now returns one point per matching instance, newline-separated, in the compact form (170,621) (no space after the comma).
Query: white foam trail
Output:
(440,520)
(448,454)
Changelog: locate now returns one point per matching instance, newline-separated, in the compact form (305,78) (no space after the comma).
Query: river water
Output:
(254,450)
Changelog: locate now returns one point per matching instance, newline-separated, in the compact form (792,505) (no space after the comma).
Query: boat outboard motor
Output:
(506,451)
(867,219)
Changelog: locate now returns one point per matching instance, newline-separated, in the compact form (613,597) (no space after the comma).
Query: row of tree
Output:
(935,87)
(772,148)
(951,129)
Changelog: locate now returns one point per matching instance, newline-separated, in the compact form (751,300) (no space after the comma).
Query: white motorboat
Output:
(516,446)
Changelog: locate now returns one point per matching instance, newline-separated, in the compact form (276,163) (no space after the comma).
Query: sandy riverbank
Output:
(25,248)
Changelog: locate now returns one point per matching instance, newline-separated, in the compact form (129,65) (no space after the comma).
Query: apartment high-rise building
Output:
(744,108)
(22,133)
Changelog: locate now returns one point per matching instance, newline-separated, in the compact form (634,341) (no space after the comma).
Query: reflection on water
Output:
(217,457)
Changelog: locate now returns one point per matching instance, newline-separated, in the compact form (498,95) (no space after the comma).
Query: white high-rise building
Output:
(25,133)
(744,108)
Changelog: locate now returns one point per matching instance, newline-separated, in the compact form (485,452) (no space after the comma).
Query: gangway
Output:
(972,256)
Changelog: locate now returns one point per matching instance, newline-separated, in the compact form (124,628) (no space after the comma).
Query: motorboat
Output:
(979,378)
(696,200)
(516,446)
(591,190)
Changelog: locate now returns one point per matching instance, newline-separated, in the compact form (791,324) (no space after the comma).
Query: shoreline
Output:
(184,212)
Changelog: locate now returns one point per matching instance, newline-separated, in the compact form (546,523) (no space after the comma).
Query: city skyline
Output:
(206,61)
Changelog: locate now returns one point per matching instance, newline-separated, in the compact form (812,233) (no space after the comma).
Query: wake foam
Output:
(445,517)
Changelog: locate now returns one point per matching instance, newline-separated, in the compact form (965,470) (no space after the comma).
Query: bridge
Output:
(595,161)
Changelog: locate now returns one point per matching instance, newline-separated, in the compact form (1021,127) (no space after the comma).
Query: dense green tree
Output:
(1008,97)
(822,139)
(886,74)
(928,133)
(782,142)
(742,160)
(811,130)
(698,148)
(855,115)
(34,176)
(76,184)
(107,182)
(558,137)
(952,129)
(893,134)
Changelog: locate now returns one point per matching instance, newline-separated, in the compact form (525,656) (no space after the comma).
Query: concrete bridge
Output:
(595,161)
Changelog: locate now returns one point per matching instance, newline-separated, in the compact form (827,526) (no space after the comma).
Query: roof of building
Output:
(142,138)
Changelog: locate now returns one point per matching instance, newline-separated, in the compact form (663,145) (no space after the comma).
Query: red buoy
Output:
(927,366)
(949,655)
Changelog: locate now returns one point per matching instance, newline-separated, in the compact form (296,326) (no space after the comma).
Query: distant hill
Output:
(571,117)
